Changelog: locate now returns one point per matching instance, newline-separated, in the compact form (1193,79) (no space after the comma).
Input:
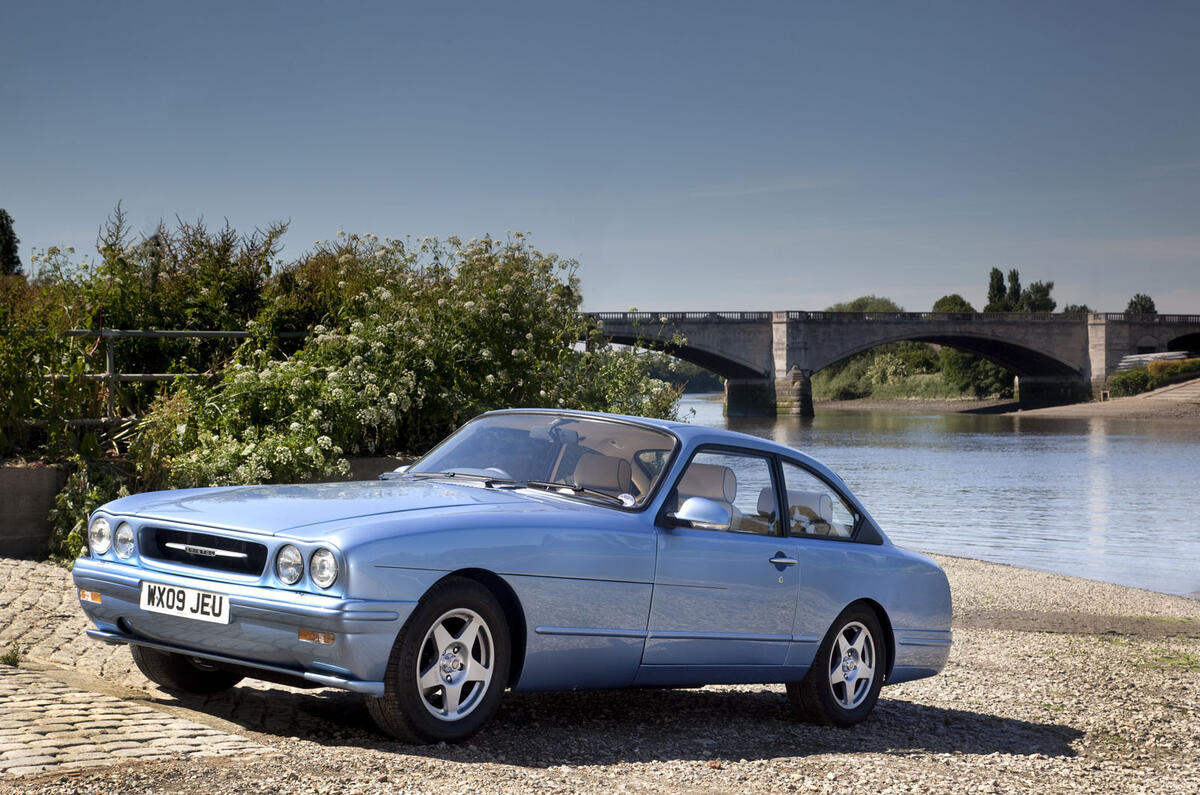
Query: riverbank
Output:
(1138,407)
(1052,679)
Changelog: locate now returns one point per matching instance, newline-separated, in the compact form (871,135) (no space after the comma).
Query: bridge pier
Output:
(793,393)
(749,397)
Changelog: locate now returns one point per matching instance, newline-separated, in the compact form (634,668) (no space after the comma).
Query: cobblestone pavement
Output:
(49,725)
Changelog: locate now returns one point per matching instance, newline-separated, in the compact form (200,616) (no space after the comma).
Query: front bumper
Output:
(263,629)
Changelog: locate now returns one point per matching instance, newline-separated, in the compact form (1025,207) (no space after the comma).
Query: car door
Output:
(728,596)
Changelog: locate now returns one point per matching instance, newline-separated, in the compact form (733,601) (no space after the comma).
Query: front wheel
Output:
(448,667)
(182,674)
(843,684)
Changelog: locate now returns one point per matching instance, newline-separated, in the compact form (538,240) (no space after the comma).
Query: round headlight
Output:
(289,565)
(323,568)
(123,541)
(99,536)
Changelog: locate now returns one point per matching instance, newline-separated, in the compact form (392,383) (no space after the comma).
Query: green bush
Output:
(1130,382)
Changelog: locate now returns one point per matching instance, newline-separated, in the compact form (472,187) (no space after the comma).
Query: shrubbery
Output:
(1156,374)
(406,341)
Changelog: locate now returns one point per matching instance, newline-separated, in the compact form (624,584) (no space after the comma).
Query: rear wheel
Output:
(448,668)
(843,684)
(183,674)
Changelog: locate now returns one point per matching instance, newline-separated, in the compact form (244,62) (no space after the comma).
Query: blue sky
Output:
(689,155)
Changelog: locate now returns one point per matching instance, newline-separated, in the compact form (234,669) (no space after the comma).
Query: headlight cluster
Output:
(123,541)
(322,566)
(101,538)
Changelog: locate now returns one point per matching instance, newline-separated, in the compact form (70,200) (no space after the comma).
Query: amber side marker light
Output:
(89,596)
(310,636)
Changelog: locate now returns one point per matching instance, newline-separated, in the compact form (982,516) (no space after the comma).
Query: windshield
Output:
(588,457)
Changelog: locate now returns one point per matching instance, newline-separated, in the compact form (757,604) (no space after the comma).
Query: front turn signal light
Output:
(312,636)
(89,596)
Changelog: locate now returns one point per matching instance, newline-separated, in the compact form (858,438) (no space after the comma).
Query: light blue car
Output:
(532,549)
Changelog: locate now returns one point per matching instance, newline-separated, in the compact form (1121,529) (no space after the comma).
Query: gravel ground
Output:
(1053,682)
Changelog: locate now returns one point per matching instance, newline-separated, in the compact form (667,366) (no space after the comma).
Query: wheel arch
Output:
(513,613)
(885,624)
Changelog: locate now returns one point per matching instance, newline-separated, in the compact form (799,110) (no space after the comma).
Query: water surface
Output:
(1103,498)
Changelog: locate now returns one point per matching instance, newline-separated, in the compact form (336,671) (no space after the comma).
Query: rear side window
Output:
(813,508)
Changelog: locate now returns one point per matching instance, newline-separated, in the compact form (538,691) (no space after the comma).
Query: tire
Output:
(836,691)
(448,667)
(182,674)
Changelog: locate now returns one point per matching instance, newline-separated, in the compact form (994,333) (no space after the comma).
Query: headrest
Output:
(767,506)
(817,502)
(709,480)
(605,473)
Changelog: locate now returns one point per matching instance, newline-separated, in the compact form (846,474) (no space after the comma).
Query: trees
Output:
(1141,304)
(954,303)
(10,257)
(867,303)
(997,300)
(1014,298)
(1036,298)
(1076,309)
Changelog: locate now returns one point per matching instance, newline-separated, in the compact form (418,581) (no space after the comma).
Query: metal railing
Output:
(1037,317)
(112,376)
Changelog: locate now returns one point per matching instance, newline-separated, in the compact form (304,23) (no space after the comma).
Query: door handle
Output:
(780,561)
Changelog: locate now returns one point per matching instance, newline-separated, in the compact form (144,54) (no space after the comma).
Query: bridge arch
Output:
(1020,359)
(723,364)
(1186,342)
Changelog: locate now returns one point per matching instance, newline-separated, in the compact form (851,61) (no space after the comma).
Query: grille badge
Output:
(207,552)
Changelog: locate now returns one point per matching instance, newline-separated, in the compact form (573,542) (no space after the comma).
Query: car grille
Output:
(206,550)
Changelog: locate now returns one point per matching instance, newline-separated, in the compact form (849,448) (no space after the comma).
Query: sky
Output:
(689,155)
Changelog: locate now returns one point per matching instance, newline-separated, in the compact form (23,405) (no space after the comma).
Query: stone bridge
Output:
(769,357)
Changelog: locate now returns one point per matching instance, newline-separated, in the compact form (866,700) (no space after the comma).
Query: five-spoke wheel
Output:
(448,667)
(843,683)
(454,669)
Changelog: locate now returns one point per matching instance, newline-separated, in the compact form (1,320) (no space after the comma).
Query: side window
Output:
(739,481)
(815,509)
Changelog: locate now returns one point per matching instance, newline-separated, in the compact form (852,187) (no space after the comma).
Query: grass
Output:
(924,386)
(12,656)
(1169,659)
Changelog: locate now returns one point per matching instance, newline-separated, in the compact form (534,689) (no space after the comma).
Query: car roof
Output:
(686,432)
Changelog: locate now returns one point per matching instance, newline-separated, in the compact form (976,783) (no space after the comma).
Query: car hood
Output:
(275,509)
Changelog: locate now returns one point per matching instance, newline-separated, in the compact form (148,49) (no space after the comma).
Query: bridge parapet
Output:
(768,358)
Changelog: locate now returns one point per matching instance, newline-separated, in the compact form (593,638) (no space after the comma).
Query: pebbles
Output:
(1016,709)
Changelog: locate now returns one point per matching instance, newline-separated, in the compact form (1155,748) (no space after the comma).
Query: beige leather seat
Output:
(603,472)
(713,482)
(811,513)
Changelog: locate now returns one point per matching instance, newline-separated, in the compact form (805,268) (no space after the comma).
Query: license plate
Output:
(172,600)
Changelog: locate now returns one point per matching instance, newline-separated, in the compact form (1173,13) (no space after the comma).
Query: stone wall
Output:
(26,497)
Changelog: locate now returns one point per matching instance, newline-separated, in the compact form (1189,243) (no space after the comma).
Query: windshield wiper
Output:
(490,481)
(578,490)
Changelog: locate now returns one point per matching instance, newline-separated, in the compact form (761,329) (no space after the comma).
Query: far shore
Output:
(1130,408)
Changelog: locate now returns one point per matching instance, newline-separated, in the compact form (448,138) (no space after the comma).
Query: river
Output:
(1102,498)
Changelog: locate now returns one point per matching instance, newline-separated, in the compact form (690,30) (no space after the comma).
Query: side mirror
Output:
(702,514)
